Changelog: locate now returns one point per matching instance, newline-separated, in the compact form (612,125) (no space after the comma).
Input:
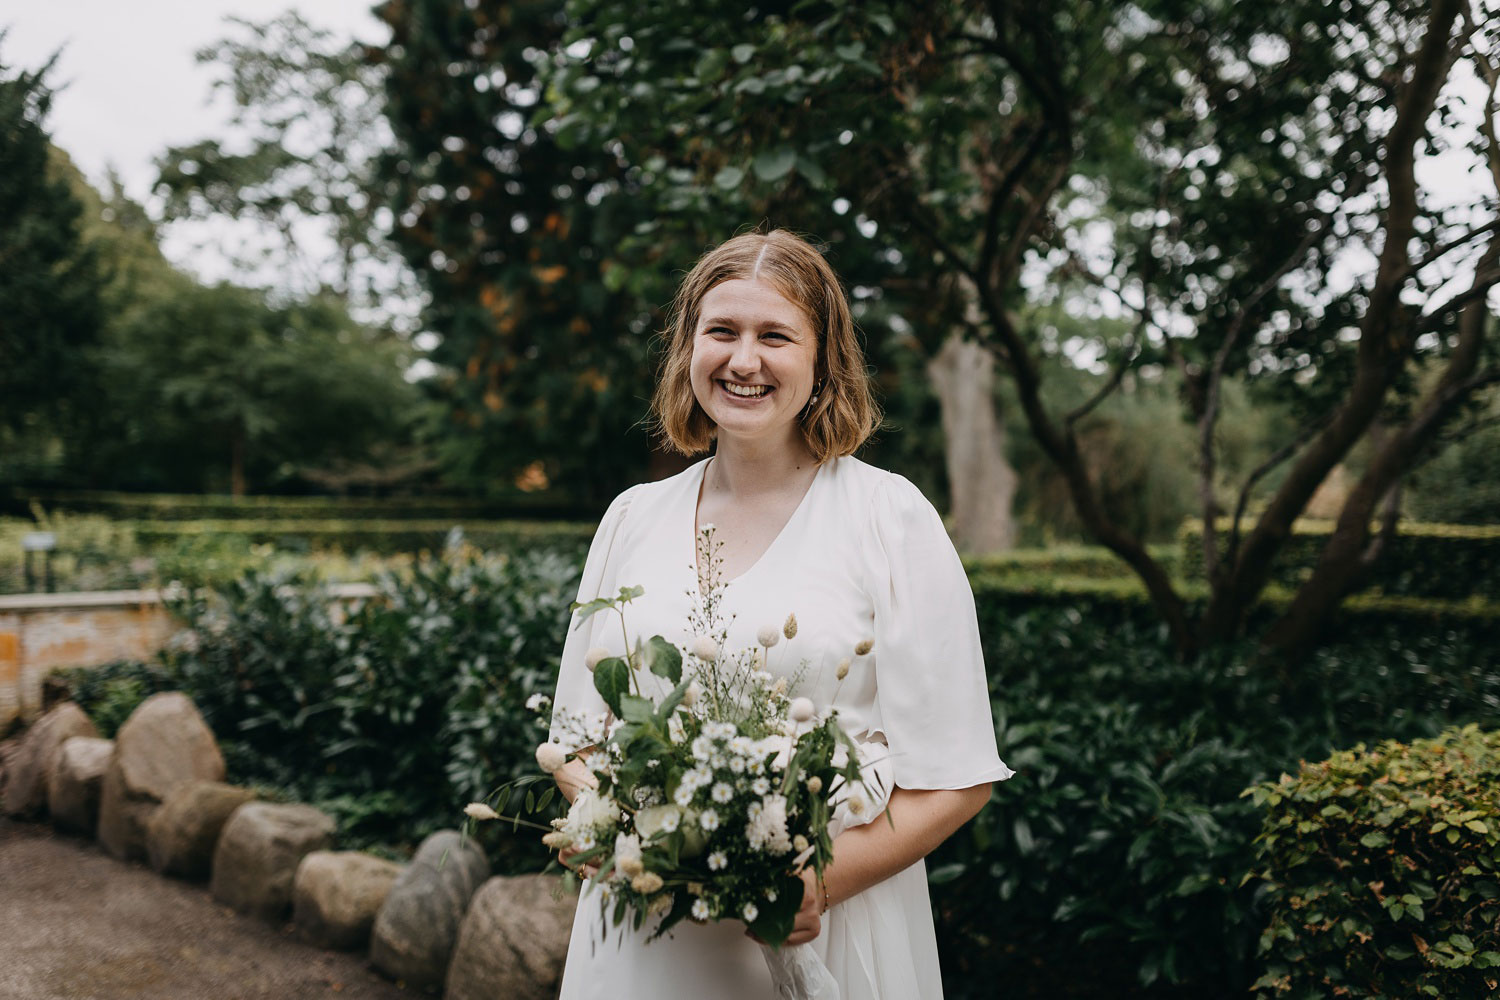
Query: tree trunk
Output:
(981,482)
(237,461)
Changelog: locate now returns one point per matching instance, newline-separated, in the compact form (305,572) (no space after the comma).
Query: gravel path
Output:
(77,925)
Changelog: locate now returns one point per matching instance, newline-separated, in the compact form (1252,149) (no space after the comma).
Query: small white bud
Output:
(863,646)
(691,694)
(705,649)
(480,811)
(592,658)
(802,709)
(814,785)
(843,670)
(550,757)
(768,636)
(799,842)
(790,628)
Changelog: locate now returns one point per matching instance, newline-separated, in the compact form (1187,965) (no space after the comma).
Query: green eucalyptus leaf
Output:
(612,681)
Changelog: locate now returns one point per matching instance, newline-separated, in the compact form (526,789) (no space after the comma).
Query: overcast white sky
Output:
(129,84)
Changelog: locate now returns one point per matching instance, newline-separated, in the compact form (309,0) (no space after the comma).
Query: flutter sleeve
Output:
(931,688)
(575,685)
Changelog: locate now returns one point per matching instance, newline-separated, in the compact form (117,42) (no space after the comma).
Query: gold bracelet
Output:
(826,902)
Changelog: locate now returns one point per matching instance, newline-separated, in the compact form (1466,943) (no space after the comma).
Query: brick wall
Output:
(43,632)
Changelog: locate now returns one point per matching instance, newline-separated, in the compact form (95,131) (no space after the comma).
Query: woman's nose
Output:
(746,357)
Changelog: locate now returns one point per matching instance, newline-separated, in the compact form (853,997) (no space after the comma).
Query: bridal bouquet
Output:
(716,783)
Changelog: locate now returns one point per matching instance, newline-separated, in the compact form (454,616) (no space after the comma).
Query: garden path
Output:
(75,924)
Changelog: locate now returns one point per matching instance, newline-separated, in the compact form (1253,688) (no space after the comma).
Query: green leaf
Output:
(663,659)
(634,708)
(774,164)
(774,921)
(1375,839)
(946,873)
(743,53)
(587,610)
(612,681)
(729,178)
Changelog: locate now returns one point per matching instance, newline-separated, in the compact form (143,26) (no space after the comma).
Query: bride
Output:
(764,369)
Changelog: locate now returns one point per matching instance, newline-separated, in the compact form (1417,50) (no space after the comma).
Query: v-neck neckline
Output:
(696,495)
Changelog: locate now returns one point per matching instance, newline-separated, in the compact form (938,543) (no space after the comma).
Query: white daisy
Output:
(709,820)
(700,910)
(717,861)
(722,792)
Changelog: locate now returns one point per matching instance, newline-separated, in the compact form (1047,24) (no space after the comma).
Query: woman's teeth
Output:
(746,390)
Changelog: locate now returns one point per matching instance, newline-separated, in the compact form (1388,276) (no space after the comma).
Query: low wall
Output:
(43,632)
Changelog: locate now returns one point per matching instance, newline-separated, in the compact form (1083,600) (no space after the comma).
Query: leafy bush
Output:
(396,715)
(109,693)
(1383,871)
(1111,865)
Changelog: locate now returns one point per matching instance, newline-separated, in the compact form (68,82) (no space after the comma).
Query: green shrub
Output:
(1382,872)
(109,693)
(396,715)
(1111,864)
(1445,561)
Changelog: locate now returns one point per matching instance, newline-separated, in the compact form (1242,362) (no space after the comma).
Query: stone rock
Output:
(513,941)
(258,852)
(164,743)
(182,834)
(336,896)
(29,769)
(73,788)
(417,926)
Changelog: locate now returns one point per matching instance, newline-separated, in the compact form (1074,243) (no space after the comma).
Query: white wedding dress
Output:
(864,555)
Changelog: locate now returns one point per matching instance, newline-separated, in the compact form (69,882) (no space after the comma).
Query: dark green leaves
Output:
(774,919)
(612,681)
(773,165)
(663,659)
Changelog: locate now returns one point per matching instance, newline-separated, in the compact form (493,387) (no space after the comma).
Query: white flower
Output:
(627,845)
(768,636)
(702,748)
(538,702)
(670,820)
(737,765)
(675,732)
(856,802)
(767,827)
(478,810)
(843,670)
(802,709)
(592,812)
(722,792)
(657,819)
(684,794)
(790,628)
(592,657)
(709,820)
(779,688)
(799,843)
(705,649)
(750,913)
(692,693)
(717,861)
(550,757)
(585,841)
(700,910)
(815,784)
(760,786)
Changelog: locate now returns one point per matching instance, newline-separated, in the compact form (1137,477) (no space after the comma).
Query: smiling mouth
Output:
(746,391)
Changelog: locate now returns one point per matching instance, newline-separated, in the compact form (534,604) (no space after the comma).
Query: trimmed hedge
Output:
(1442,561)
(1089,561)
(1382,872)
(379,536)
(200,507)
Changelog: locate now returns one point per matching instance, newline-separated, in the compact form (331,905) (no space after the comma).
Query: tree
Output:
(310,112)
(49,278)
(1203,168)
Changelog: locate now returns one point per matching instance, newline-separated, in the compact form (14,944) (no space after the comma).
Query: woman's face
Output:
(754,351)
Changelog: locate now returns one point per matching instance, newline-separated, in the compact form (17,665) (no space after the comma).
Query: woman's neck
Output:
(746,468)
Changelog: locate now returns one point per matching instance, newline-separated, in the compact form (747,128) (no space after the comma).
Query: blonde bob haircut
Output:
(845,414)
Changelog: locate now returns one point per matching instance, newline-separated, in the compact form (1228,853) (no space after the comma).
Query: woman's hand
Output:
(809,922)
(586,870)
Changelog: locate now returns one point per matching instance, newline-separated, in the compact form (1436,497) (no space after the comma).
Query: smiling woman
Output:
(763,367)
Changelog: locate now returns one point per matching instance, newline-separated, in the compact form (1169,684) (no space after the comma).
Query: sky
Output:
(129,84)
